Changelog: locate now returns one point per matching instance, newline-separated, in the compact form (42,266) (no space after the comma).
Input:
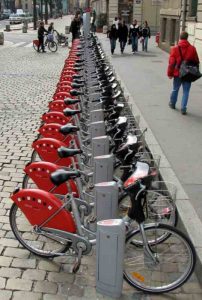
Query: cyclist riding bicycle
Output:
(41,32)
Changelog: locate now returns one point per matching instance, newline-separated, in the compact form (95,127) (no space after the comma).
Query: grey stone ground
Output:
(27,81)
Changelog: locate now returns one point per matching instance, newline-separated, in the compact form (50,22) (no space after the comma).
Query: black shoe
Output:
(44,51)
(183,112)
(171,105)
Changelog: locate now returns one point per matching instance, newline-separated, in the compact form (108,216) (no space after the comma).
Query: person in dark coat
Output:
(51,27)
(145,33)
(122,35)
(189,53)
(75,27)
(113,35)
(134,34)
(41,32)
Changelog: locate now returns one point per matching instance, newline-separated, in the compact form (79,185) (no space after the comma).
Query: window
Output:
(164,25)
(172,32)
(193,5)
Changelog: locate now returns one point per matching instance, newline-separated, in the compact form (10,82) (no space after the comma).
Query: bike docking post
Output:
(110,246)
(97,129)
(95,105)
(97,115)
(100,146)
(106,200)
(103,168)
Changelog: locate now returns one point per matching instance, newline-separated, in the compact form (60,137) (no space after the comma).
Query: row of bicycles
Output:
(53,213)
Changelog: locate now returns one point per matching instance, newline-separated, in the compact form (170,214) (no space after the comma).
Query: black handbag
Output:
(188,70)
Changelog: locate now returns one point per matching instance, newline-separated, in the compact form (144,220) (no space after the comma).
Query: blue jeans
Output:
(113,44)
(122,45)
(177,82)
(134,40)
(145,43)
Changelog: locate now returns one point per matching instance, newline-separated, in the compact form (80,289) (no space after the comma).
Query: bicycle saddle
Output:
(75,85)
(69,101)
(71,112)
(69,128)
(111,79)
(77,76)
(117,95)
(78,69)
(80,60)
(79,81)
(68,152)
(60,176)
(75,93)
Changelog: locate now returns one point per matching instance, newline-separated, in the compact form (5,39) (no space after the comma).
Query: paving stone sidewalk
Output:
(27,82)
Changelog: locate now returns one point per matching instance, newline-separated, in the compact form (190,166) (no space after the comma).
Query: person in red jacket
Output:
(189,54)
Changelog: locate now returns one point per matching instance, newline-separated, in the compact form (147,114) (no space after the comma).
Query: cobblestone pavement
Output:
(27,81)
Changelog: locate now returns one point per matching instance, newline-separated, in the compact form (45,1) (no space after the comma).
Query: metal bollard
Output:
(1,38)
(106,200)
(103,168)
(97,115)
(100,145)
(24,29)
(67,29)
(110,246)
(97,129)
(8,27)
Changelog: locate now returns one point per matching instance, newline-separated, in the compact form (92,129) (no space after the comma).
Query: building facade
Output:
(129,10)
(178,15)
(170,15)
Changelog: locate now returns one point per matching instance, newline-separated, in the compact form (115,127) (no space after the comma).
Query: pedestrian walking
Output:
(41,32)
(145,36)
(116,22)
(184,51)
(134,34)
(75,27)
(122,35)
(113,35)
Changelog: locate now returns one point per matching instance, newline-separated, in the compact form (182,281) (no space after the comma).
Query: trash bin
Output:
(1,38)
(67,29)
(8,27)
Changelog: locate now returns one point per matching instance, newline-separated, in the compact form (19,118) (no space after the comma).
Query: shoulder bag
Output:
(188,70)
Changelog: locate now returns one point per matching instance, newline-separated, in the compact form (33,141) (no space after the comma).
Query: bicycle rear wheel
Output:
(28,183)
(174,263)
(35,243)
(52,46)
(35,157)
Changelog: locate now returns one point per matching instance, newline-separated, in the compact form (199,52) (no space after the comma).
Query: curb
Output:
(189,221)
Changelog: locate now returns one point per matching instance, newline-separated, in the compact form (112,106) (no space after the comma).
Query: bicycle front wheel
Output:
(173,263)
(52,46)
(36,243)
(28,183)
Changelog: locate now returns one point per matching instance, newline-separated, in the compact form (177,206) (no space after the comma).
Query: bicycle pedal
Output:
(92,219)
(77,261)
